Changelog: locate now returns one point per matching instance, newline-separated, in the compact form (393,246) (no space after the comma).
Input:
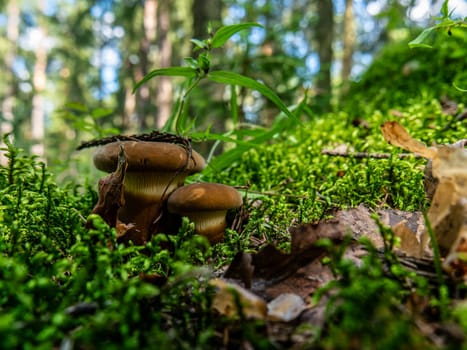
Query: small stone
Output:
(286,307)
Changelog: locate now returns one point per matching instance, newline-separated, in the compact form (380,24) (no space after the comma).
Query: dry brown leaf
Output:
(228,296)
(396,135)
(456,262)
(409,244)
(451,163)
(271,272)
(446,177)
(448,210)
(111,192)
(128,232)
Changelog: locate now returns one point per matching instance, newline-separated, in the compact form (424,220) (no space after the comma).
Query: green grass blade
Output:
(230,78)
(262,136)
(234,106)
(459,88)
(420,41)
(186,72)
(226,32)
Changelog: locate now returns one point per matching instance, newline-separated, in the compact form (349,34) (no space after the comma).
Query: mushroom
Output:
(205,204)
(154,170)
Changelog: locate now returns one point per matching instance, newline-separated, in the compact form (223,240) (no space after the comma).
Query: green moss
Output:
(400,76)
(292,181)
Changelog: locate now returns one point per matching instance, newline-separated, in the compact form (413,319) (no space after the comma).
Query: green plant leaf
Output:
(420,41)
(257,138)
(186,72)
(78,107)
(444,9)
(459,88)
(200,44)
(230,78)
(234,106)
(225,33)
(101,112)
(192,63)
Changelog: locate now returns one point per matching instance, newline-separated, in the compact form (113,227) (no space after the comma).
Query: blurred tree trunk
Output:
(39,80)
(348,40)
(6,126)
(129,102)
(143,102)
(208,13)
(324,38)
(164,84)
(205,12)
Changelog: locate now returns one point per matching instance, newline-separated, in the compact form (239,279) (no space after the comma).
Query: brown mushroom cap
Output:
(206,205)
(204,197)
(148,156)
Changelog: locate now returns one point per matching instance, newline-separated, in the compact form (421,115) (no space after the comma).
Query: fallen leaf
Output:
(275,272)
(456,262)
(448,211)
(443,215)
(271,272)
(232,300)
(128,232)
(241,268)
(451,163)
(446,185)
(396,135)
(110,192)
(409,244)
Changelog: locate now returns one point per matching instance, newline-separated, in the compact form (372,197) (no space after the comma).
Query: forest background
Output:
(69,67)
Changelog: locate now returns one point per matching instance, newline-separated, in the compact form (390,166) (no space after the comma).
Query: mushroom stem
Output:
(209,224)
(205,204)
(153,186)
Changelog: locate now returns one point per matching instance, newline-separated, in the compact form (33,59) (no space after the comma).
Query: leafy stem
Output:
(446,23)
(200,68)
(178,119)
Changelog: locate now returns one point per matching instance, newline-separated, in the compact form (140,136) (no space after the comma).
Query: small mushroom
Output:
(154,170)
(205,204)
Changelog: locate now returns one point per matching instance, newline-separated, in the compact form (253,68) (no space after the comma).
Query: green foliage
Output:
(292,181)
(85,120)
(364,307)
(221,36)
(61,283)
(446,23)
(400,76)
(36,215)
(200,68)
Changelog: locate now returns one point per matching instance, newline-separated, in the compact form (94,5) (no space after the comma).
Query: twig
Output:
(154,136)
(361,155)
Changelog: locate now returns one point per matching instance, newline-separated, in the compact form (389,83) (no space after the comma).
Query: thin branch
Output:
(361,155)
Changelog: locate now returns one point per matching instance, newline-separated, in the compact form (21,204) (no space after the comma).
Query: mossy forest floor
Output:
(66,286)
(63,286)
